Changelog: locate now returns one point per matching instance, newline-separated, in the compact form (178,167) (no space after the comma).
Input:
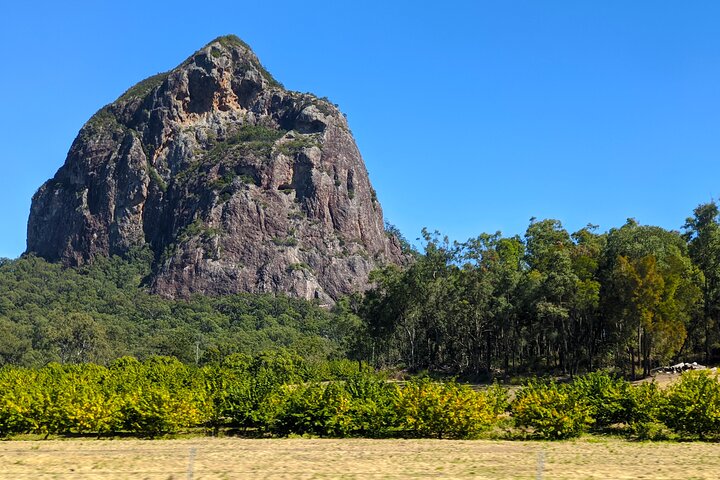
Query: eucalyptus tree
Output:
(551,287)
(650,292)
(588,328)
(407,311)
(702,232)
(492,266)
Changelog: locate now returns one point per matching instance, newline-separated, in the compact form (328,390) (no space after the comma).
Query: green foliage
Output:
(144,87)
(281,393)
(285,242)
(151,398)
(101,312)
(393,232)
(256,133)
(19,396)
(78,338)
(315,409)
(447,410)
(372,405)
(298,267)
(614,402)
(702,232)
(223,182)
(155,411)
(231,41)
(551,411)
(650,293)
(156,178)
(247,179)
(277,392)
(251,400)
(255,139)
(609,399)
(647,403)
(693,404)
(104,120)
(365,405)
(297,144)
(549,303)
(79,400)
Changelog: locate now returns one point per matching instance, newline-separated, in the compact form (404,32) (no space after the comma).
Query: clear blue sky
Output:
(472,117)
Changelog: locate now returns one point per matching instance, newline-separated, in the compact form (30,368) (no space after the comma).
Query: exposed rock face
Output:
(234,182)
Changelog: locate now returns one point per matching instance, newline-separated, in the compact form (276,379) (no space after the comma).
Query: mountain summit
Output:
(235,183)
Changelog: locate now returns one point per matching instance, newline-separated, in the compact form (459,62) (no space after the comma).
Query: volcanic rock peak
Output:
(235,183)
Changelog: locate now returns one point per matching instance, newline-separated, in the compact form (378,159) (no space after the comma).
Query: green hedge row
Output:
(280,394)
(598,402)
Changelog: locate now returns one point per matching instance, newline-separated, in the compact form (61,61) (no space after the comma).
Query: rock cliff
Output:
(235,183)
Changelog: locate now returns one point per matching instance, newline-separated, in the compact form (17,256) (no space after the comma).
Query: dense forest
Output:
(552,301)
(102,312)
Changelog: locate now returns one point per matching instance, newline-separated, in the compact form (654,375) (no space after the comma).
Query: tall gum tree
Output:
(650,293)
(702,232)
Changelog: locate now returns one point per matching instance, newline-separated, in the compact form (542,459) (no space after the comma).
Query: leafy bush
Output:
(315,409)
(19,392)
(372,406)
(361,405)
(446,410)
(644,416)
(281,393)
(693,404)
(80,401)
(255,381)
(610,399)
(160,395)
(59,400)
(219,382)
(155,410)
(552,411)
(256,133)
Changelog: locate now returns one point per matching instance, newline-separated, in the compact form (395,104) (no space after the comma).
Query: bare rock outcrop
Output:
(235,183)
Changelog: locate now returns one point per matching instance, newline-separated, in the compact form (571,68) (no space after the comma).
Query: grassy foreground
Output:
(211,458)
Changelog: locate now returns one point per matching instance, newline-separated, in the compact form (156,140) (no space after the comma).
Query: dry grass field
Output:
(209,458)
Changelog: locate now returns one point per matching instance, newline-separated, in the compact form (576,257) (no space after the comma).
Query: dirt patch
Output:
(662,379)
(209,458)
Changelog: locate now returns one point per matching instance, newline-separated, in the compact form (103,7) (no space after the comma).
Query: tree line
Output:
(633,298)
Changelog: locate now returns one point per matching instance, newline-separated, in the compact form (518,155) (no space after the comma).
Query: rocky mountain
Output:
(235,183)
